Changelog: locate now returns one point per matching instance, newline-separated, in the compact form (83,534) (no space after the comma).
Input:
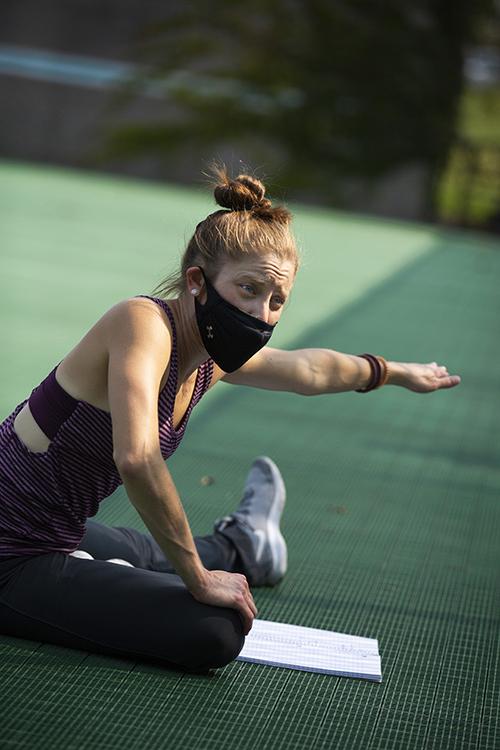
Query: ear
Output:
(195,283)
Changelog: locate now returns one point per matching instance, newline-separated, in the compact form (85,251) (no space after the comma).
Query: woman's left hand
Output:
(421,378)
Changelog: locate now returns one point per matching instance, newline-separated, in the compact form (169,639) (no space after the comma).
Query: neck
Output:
(190,350)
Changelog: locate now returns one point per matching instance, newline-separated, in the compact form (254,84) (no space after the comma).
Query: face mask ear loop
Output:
(208,284)
(204,277)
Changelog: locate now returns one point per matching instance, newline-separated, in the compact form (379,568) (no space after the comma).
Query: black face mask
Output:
(229,335)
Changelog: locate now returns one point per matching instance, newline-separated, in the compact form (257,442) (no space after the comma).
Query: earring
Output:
(194,291)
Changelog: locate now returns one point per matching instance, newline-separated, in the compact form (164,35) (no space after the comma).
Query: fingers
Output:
(445,380)
(248,611)
(438,369)
(449,382)
(251,605)
(249,600)
(247,617)
(245,604)
(253,608)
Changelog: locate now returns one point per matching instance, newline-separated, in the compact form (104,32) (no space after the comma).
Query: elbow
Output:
(132,465)
(305,390)
(310,384)
(307,379)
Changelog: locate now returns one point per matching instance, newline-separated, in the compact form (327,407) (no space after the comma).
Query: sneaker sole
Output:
(279,554)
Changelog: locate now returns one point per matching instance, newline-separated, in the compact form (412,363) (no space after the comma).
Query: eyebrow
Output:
(263,279)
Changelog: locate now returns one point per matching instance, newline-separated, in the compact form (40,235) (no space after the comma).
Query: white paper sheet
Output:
(312,650)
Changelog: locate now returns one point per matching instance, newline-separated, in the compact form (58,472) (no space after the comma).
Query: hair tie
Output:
(379,372)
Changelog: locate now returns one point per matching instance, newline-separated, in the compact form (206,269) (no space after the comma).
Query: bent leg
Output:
(111,609)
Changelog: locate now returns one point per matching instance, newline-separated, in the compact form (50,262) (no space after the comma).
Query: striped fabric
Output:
(45,498)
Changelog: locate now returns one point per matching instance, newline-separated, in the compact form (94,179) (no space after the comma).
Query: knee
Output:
(218,641)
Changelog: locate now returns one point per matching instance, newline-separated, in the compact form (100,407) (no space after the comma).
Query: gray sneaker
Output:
(258,515)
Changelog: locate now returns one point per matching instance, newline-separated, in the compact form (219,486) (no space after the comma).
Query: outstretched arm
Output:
(312,372)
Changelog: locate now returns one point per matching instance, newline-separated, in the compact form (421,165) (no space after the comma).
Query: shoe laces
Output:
(224,522)
(245,506)
(240,515)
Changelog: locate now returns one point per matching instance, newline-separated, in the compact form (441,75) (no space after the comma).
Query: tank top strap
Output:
(170,315)
(174,366)
(208,371)
(206,368)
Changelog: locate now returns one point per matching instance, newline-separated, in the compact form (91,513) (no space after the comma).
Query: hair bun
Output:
(244,193)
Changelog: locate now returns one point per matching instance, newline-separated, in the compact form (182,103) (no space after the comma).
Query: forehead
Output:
(270,268)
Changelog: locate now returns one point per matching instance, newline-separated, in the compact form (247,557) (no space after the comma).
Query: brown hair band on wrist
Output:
(379,373)
(385,371)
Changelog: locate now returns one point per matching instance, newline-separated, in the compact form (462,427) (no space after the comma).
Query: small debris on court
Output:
(207,480)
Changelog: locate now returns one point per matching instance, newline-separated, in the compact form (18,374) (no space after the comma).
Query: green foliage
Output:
(333,89)
(469,190)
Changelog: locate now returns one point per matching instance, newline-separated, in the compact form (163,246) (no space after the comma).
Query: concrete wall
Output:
(104,28)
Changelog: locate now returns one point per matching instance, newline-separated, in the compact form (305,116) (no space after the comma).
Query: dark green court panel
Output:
(393,525)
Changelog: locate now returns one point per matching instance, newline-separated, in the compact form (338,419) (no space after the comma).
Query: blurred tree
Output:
(339,89)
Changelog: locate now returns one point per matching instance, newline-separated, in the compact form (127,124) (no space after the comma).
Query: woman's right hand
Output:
(222,589)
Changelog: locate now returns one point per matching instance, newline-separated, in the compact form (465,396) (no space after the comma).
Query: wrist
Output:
(196,579)
(395,373)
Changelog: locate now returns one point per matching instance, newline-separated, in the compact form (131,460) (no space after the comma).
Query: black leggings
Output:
(140,612)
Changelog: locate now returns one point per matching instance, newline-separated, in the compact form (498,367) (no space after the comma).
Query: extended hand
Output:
(222,589)
(421,378)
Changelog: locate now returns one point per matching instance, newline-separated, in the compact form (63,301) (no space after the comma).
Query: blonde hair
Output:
(247,224)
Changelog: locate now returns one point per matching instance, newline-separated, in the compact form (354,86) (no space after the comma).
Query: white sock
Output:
(81,554)
(117,561)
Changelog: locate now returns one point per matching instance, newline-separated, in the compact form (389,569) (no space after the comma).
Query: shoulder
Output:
(138,310)
(138,318)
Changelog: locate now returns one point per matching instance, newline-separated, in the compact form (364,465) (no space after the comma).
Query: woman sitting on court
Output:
(116,407)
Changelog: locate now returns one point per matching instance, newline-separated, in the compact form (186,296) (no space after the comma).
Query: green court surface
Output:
(392,517)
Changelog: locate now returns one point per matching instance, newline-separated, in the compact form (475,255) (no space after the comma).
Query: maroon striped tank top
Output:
(45,498)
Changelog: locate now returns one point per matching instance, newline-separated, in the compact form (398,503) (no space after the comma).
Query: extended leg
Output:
(248,541)
(217,551)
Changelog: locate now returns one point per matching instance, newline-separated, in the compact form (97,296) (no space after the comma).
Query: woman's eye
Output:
(279,301)
(248,288)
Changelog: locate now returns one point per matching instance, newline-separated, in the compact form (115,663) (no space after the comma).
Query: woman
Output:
(116,407)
